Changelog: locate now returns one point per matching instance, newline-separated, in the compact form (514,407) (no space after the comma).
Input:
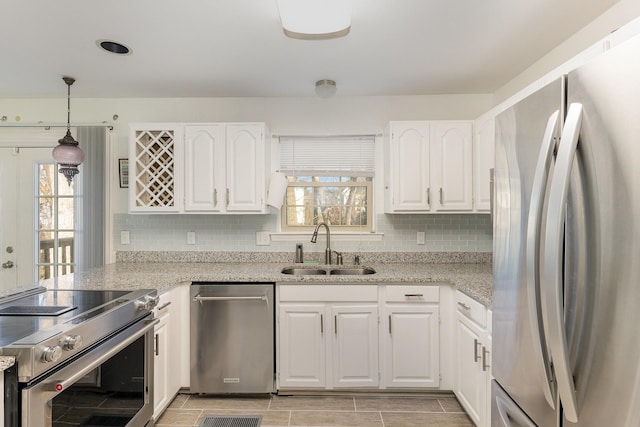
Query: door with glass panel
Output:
(37,217)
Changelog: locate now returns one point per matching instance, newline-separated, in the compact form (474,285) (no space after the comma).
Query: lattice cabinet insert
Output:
(155,168)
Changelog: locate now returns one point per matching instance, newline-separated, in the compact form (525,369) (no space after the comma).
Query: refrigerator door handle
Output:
(553,261)
(543,168)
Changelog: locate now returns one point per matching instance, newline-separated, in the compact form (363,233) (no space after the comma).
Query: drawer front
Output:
(412,294)
(165,305)
(328,293)
(471,309)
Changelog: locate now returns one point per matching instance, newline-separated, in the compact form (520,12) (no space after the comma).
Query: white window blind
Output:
(327,155)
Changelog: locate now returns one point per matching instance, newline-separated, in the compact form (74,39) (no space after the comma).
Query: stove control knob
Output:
(71,342)
(147,303)
(51,354)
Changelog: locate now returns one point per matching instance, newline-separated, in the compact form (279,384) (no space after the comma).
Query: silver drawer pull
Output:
(163,306)
(414,295)
(464,306)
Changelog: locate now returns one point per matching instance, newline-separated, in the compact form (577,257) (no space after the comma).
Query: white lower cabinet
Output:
(411,337)
(327,337)
(168,345)
(473,360)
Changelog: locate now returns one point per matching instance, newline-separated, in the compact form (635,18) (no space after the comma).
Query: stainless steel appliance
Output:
(232,338)
(566,348)
(82,357)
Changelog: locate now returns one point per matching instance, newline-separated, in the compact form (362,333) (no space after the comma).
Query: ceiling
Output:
(211,48)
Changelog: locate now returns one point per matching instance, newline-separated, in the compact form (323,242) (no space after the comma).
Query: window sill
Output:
(337,236)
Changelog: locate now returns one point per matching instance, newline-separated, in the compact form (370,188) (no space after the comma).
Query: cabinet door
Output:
(408,164)
(155,168)
(301,355)
(483,159)
(355,345)
(471,386)
(204,168)
(451,176)
(411,346)
(245,168)
(160,369)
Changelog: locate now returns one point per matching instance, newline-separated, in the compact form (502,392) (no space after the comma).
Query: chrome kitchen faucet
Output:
(314,239)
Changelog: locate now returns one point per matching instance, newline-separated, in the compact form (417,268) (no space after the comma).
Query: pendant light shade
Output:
(67,153)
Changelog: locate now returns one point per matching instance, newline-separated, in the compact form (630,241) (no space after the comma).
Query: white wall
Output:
(621,14)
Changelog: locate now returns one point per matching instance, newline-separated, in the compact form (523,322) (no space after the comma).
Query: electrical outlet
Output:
(263,238)
(191,237)
(124,237)
(420,238)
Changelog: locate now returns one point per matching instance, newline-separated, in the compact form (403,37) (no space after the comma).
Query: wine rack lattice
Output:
(154,167)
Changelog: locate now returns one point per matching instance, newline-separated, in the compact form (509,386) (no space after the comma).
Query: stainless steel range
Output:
(83,358)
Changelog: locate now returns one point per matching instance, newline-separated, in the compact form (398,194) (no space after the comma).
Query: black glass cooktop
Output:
(38,313)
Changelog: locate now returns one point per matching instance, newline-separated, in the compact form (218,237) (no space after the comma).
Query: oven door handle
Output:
(59,386)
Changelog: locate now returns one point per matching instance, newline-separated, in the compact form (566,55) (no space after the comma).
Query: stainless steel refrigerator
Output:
(566,308)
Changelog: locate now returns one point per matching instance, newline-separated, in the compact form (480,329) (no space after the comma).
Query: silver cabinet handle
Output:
(215,197)
(485,365)
(464,306)
(441,198)
(428,197)
(227,197)
(335,324)
(389,324)
(157,344)
(534,224)
(321,324)
(553,260)
(414,295)
(476,345)
(163,306)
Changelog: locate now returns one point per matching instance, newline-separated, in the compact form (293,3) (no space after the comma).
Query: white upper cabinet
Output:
(483,154)
(155,168)
(198,168)
(204,167)
(246,154)
(428,167)
(451,169)
(407,167)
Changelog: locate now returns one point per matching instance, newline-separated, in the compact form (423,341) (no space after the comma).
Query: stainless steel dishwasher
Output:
(232,338)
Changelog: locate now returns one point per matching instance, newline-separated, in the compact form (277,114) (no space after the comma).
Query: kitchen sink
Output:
(355,271)
(304,271)
(358,271)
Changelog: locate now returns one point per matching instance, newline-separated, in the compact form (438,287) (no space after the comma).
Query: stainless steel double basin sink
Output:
(354,271)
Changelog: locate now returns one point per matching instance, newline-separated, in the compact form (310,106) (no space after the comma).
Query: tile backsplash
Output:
(397,233)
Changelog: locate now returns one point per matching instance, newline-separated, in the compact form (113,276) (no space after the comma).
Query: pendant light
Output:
(67,153)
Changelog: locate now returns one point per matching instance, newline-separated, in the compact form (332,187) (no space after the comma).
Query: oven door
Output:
(109,385)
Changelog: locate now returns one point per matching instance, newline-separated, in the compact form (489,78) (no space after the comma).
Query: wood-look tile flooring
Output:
(334,411)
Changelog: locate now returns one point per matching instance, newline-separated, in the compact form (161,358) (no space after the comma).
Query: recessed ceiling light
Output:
(114,47)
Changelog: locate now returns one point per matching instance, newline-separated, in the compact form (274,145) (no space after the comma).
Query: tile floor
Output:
(335,411)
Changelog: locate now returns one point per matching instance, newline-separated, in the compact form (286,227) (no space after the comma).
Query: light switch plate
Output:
(263,238)
(124,237)
(191,237)
(420,238)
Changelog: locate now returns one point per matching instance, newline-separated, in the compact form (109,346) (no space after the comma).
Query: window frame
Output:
(368,184)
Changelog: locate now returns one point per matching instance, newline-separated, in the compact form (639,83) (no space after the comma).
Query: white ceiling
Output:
(210,48)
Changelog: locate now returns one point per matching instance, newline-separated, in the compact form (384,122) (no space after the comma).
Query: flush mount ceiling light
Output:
(326,88)
(67,153)
(315,19)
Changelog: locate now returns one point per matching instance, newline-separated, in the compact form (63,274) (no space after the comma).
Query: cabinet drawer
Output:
(471,309)
(412,294)
(328,293)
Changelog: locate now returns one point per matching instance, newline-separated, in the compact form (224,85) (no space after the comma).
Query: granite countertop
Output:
(6,362)
(475,280)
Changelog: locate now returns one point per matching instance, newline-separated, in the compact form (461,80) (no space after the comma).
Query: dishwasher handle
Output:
(200,299)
